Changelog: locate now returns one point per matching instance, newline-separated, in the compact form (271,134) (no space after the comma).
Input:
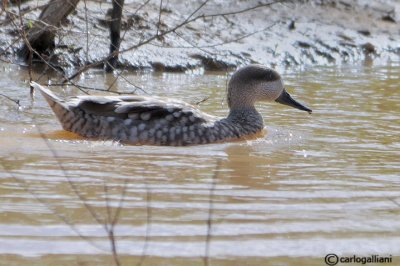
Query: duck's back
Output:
(137,119)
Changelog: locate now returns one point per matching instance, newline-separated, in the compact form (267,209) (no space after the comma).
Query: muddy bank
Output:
(290,34)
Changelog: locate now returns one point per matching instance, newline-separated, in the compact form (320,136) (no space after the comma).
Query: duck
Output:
(145,120)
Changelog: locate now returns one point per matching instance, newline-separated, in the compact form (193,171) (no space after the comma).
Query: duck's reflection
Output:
(247,165)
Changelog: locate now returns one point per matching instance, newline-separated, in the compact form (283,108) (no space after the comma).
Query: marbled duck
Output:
(164,121)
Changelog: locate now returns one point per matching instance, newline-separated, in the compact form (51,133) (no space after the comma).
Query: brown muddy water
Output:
(315,184)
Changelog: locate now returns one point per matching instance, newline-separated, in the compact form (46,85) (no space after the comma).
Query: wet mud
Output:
(221,35)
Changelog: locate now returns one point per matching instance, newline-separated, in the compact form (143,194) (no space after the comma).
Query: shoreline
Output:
(285,35)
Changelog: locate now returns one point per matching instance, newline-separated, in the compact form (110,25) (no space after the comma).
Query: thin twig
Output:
(87,32)
(216,44)
(110,227)
(202,100)
(120,204)
(113,220)
(206,258)
(113,223)
(83,88)
(107,201)
(109,230)
(53,210)
(22,34)
(11,99)
(114,247)
(159,17)
(141,6)
(148,224)
(24,12)
(73,186)
(394,201)
(188,20)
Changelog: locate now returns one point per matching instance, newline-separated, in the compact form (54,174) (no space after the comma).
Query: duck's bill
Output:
(286,99)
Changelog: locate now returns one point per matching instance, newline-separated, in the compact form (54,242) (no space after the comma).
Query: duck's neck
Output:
(247,118)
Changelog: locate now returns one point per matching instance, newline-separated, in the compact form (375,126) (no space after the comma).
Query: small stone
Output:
(388,18)
(292,25)
(158,66)
(303,44)
(368,48)
(364,32)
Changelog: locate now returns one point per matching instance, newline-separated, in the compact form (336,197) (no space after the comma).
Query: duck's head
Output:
(254,83)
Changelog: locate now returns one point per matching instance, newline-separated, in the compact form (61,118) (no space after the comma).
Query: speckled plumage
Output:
(163,121)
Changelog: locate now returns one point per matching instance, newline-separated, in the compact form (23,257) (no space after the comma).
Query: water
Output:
(315,184)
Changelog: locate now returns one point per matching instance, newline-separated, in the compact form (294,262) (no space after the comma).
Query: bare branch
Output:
(159,17)
(206,258)
(11,99)
(188,20)
(87,31)
(41,36)
(110,227)
(220,43)
(63,218)
(148,224)
(73,186)
(120,204)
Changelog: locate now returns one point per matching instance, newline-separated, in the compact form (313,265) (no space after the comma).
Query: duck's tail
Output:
(58,105)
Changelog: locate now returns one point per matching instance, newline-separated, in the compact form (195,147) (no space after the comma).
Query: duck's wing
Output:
(140,108)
